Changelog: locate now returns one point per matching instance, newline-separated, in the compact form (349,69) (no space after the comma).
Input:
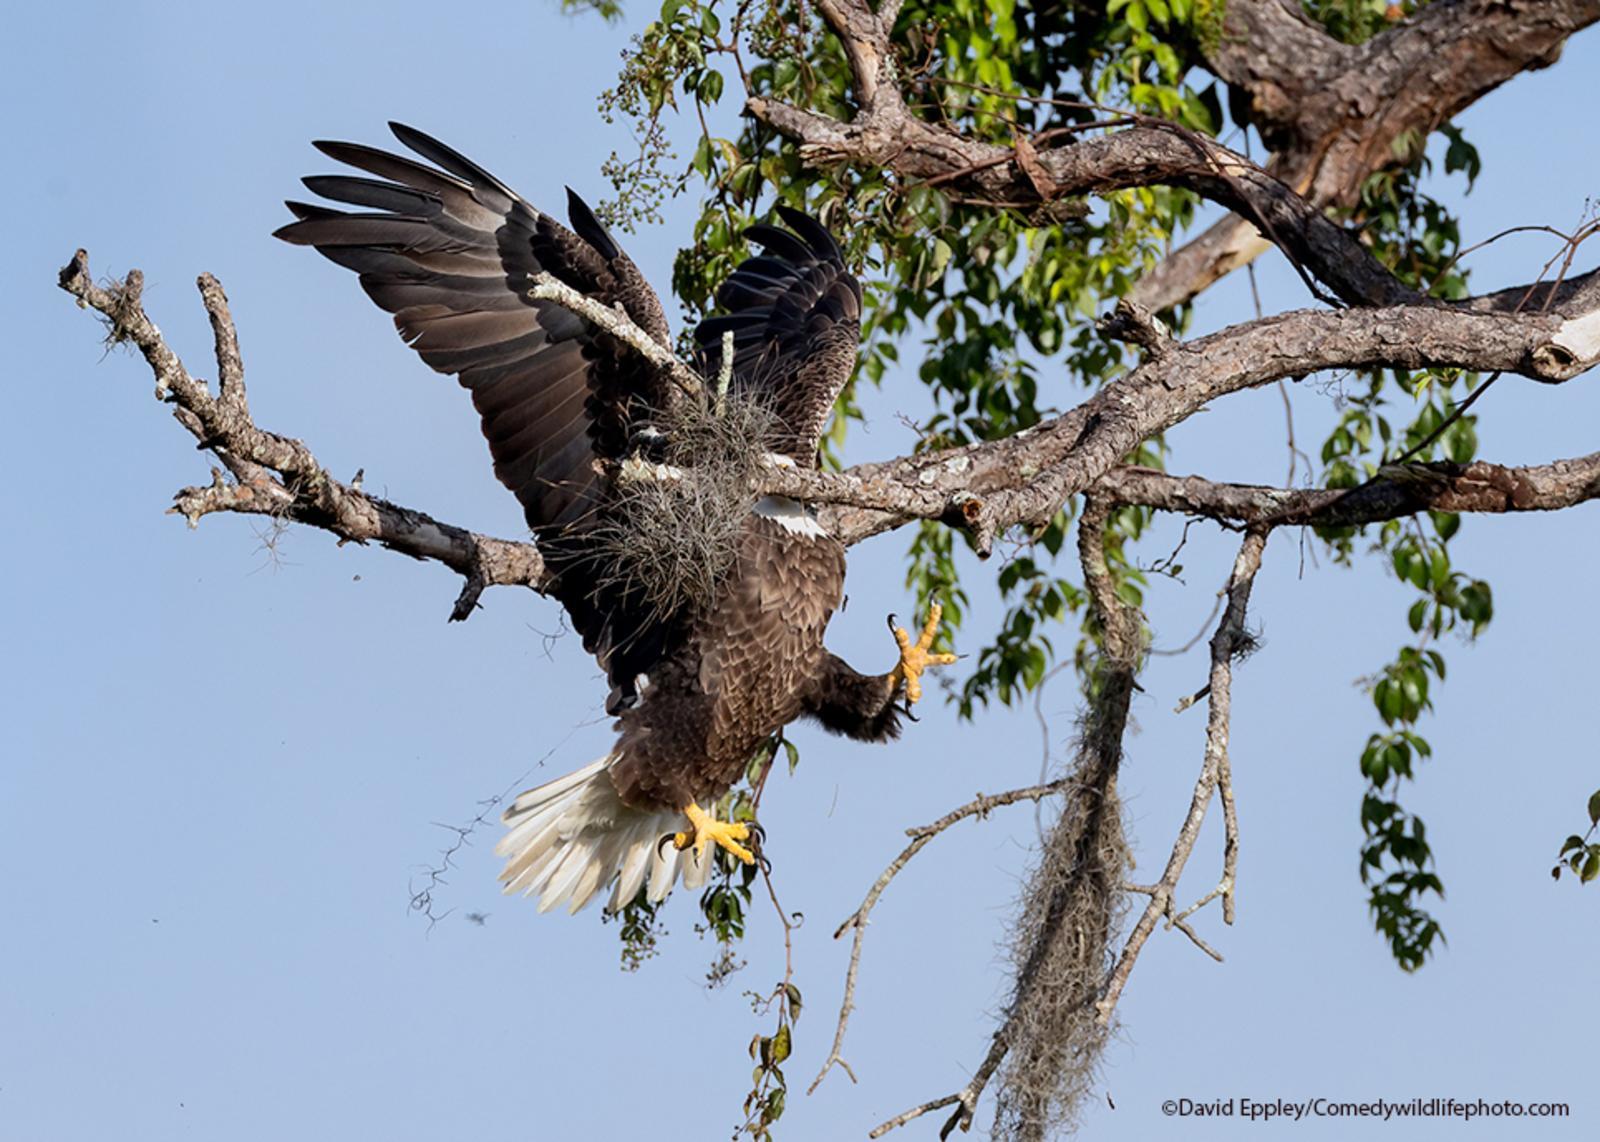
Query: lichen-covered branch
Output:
(275,475)
(1229,641)
(984,488)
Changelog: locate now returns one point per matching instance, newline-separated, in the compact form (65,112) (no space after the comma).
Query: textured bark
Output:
(275,475)
(1026,478)
(984,488)
(1149,153)
(1331,113)
(1442,487)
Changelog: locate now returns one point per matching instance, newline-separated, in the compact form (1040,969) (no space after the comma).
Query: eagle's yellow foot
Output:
(915,656)
(707,828)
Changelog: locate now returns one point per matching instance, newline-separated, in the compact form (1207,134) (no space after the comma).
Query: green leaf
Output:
(711,87)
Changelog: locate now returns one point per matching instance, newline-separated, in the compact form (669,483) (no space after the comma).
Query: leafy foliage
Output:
(995,306)
(1356,21)
(1581,855)
(1416,237)
(641,931)
(769,1089)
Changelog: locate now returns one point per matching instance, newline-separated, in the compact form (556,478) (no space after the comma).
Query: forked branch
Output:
(983,489)
(1229,641)
(276,476)
(980,806)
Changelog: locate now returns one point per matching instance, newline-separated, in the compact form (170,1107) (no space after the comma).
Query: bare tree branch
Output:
(1393,494)
(1026,478)
(1067,913)
(618,324)
(1152,152)
(980,806)
(983,488)
(1225,645)
(277,476)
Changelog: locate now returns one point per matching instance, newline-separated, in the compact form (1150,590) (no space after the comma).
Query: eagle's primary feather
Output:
(452,253)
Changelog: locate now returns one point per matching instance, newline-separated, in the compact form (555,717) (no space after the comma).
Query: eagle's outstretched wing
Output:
(451,251)
(795,315)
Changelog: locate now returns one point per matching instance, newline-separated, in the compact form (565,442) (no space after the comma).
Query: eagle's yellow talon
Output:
(707,829)
(915,657)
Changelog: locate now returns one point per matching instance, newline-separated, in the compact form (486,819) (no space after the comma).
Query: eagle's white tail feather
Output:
(630,879)
(573,836)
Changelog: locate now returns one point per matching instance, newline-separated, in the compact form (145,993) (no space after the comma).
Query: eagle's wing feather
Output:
(452,252)
(795,315)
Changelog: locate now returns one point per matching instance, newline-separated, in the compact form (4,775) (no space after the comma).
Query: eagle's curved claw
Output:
(915,657)
(707,830)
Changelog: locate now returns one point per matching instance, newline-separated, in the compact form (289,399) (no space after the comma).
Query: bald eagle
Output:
(697,687)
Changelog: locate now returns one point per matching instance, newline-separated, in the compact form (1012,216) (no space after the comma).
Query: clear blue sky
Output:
(219,774)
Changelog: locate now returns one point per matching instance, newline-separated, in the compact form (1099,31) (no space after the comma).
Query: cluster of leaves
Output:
(641,932)
(1581,855)
(1395,856)
(1356,21)
(668,59)
(763,1106)
(1397,421)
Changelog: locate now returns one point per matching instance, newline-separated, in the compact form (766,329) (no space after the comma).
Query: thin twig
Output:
(980,806)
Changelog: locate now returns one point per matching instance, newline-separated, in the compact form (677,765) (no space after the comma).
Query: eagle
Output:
(571,411)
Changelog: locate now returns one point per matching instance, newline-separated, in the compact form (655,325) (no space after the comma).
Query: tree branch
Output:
(1151,152)
(983,488)
(1393,494)
(1068,908)
(857,920)
(1025,479)
(277,476)
(1334,113)
(617,323)
(1226,644)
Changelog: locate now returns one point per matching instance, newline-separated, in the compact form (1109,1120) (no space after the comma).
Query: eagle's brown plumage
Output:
(452,253)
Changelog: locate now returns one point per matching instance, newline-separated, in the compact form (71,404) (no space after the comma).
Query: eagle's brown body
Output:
(454,254)
(744,671)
